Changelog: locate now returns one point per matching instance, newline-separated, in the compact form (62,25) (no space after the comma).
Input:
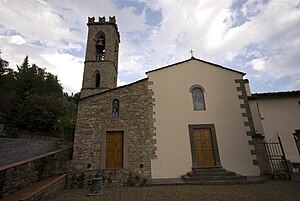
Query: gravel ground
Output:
(271,190)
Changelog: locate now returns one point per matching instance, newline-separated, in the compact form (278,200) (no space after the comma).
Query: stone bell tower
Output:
(101,59)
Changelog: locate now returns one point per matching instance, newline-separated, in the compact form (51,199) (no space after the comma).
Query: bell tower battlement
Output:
(101,59)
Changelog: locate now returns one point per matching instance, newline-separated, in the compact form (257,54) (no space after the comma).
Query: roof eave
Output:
(193,58)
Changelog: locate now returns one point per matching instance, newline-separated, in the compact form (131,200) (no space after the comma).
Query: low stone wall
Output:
(16,176)
(121,177)
(50,191)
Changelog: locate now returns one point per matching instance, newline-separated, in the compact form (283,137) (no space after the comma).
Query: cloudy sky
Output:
(258,37)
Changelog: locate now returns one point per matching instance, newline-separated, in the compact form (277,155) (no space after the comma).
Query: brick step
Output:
(39,190)
(213,178)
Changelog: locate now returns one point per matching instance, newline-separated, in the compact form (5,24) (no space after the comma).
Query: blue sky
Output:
(258,37)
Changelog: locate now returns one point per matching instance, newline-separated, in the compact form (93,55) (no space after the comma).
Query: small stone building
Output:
(188,114)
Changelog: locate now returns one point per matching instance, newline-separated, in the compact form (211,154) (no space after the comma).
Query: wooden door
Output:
(114,150)
(203,147)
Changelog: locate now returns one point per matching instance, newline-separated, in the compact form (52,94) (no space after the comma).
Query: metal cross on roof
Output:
(192,53)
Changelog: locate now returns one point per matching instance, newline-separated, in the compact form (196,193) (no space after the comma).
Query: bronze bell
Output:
(100,46)
(100,43)
(97,185)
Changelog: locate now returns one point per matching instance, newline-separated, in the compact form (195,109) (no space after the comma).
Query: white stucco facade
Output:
(173,113)
(280,115)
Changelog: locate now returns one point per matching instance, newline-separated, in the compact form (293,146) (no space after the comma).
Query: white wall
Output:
(281,116)
(173,112)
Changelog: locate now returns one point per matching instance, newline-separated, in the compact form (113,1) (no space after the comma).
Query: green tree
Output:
(39,112)
(8,96)
(41,100)
(35,80)
(65,125)
(33,100)
(6,73)
(3,66)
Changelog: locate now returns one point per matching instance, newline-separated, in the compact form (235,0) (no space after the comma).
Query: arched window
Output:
(198,98)
(115,108)
(97,80)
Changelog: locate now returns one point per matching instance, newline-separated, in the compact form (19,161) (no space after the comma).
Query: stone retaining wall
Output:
(16,176)
(50,191)
(121,177)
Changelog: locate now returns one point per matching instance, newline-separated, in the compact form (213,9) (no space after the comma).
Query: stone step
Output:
(181,181)
(219,182)
(213,173)
(39,190)
(213,178)
(208,169)
(295,177)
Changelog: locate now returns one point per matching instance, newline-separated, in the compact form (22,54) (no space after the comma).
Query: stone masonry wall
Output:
(94,119)
(249,124)
(108,77)
(107,67)
(50,191)
(110,178)
(16,176)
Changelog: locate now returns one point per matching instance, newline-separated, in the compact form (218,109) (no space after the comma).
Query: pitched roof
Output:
(116,88)
(274,94)
(193,58)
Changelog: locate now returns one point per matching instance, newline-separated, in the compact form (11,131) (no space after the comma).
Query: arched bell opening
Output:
(100,45)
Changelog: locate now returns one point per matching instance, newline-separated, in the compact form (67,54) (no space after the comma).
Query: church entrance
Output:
(204,145)
(114,149)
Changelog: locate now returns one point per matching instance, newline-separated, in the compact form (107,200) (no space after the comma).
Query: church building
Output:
(187,115)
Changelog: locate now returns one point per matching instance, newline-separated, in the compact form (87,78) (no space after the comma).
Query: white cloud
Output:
(265,36)
(70,69)
(258,64)
(121,83)
(268,27)
(17,39)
